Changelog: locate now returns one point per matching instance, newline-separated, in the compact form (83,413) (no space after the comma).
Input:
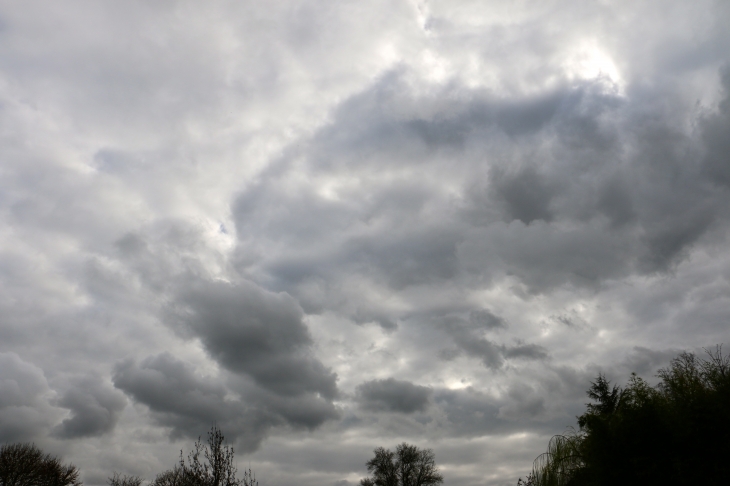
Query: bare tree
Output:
(407,466)
(124,480)
(171,477)
(210,464)
(27,465)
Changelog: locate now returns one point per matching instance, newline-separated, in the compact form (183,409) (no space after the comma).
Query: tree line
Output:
(209,464)
(674,433)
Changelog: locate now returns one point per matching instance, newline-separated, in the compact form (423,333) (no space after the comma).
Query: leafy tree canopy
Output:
(675,433)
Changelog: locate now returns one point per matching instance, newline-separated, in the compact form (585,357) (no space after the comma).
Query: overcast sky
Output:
(329,226)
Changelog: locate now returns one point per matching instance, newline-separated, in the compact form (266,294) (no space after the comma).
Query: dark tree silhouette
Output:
(675,433)
(27,465)
(210,464)
(124,480)
(407,466)
(171,477)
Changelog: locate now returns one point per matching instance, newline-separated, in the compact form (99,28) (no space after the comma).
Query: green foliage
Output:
(27,465)
(676,433)
(407,466)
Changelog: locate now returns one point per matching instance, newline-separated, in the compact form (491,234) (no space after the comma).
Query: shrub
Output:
(27,465)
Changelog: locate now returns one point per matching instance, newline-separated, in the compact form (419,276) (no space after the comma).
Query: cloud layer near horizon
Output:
(328,228)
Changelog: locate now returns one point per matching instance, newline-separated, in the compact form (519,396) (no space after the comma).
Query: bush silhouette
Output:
(208,464)
(27,465)
(676,433)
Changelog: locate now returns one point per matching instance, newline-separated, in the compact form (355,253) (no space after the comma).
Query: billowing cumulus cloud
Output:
(95,409)
(256,333)
(25,412)
(187,403)
(328,228)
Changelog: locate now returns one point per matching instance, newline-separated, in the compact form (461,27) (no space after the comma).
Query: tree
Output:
(207,465)
(171,477)
(27,465)
(559,464)
(675,433)
(124,480)
(407,466)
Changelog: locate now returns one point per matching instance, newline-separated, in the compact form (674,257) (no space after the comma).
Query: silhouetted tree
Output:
(124,480)
(407,466)
(676,433)
(210,464)
(171,477)
(27,465)
(558,465)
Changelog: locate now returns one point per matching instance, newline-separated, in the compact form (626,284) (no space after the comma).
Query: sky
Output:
(329,226)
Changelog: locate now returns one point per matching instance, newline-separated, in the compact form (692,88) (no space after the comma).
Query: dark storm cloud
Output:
(24,410)
(188,403)
(95,409)
(169,386)
(257,333)
(391,395)
(261,339)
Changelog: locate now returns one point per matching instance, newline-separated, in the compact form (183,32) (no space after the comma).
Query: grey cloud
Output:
(469,411)
(363,316)
(188,403)
(529,115)
(258,333)
(526,351)
(646,362)
(488,352)
(167,385)
(716,137)
(21,382)
(25,413)
(95,409)
(459,174)
(525,195)
(380,234)
(579,208)
(525,404)
(391,395)
(485,319)
(615,201)
(469,338)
